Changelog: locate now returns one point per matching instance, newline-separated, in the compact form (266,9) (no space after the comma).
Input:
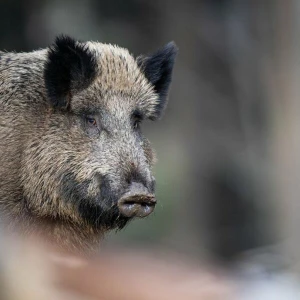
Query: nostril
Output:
(137,205)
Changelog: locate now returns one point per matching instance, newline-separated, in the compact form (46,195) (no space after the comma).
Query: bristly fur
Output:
(158,70)
(70,67)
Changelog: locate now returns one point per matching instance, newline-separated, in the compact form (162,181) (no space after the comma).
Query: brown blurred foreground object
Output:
(32,271)
(143,278)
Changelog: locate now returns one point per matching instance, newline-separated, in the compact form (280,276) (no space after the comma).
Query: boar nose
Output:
(137,202)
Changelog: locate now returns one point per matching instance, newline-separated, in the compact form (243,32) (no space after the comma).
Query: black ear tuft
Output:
(158,70)
(70,67)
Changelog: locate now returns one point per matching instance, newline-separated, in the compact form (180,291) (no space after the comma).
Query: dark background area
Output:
(213,145)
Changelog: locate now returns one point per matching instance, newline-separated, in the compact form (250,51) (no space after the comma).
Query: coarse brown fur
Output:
(60,175)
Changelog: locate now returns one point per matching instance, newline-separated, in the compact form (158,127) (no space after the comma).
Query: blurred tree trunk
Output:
(285,101)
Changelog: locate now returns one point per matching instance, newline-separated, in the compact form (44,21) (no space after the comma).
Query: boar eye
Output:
(91,121)
(92,126)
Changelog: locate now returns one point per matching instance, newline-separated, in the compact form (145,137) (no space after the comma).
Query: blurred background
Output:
(228,146)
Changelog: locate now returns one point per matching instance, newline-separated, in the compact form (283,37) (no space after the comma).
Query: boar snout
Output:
(137,202)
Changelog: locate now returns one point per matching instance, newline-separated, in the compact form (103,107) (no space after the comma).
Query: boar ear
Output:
(70,67)
(158,69)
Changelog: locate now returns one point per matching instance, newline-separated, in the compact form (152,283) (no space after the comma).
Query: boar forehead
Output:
(119,84)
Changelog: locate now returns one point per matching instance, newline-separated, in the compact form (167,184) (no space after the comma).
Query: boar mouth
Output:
(100,217)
